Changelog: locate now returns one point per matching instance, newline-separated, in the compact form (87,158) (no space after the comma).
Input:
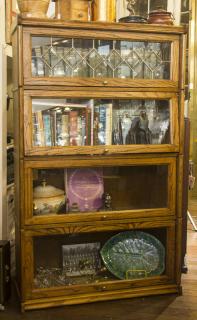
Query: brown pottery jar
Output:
(161,16)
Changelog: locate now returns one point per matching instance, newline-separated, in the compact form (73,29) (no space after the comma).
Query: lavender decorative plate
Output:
(134,254)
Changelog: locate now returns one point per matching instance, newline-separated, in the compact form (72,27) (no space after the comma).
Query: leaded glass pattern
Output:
(93,58)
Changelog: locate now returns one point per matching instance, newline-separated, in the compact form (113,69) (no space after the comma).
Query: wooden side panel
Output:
(27,266)
(181,121)
(179,186)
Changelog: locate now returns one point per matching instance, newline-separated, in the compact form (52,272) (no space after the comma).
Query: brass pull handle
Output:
(105,150)
(105,82)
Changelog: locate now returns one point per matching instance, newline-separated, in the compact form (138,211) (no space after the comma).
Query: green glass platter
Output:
(134,254)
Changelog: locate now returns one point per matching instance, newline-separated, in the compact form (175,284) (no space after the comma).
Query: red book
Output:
(73,128)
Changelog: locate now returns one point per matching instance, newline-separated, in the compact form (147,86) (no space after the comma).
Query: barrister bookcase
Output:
(98,160)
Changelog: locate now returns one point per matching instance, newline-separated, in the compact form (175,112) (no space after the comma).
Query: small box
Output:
(72,9)
(5,278)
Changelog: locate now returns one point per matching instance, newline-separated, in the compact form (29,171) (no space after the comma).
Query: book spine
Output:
(47,129)
(73,128)
(79,130)
(83,130)
(58,128)
(108,131)
(40,128)
(53,126)
(36,140)
(96,126)
(65,130)
(102,125)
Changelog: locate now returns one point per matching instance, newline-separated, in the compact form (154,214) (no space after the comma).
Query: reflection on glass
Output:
(158,4)
(71,259)
(78,190)
(82,122)
(100,58)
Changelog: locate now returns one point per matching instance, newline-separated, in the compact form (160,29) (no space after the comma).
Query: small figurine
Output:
(132,17)
(139,132)
(74,207)
(107,201)
(130,7)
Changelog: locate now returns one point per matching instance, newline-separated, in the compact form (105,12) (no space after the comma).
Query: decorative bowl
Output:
(47,199)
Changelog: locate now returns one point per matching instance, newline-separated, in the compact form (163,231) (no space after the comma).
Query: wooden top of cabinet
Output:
(105,26)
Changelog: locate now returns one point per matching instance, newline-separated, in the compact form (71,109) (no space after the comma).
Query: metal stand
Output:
(192,221)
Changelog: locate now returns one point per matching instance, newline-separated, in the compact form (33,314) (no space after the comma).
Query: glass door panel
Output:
(93,122)
(97,58)
(90,190)
(93,258)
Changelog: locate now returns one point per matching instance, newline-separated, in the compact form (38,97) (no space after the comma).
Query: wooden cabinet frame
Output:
(31,150)
(35,298)
(169,210)
(98,31)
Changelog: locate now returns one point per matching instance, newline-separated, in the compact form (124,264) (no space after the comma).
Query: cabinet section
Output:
(88,58)
(84,122)
(98,189)
(74,262)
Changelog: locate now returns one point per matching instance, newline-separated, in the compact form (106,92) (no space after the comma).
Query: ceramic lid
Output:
(47,191)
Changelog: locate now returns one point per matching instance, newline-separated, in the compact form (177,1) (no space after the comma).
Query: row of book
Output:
(72,125)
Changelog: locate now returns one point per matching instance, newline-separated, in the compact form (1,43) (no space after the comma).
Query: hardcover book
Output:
(84,188)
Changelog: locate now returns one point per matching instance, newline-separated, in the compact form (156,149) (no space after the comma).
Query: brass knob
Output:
(104,217)
(105,82)
(80,15)
(103,287)
(105,150)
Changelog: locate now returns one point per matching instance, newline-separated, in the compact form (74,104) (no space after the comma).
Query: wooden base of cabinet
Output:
(88,298)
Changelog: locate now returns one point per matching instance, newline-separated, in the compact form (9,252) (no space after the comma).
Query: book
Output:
(102,126)
(73,128)
(65,129)
(84,188)
(62,125)
(47,129)
(38,129)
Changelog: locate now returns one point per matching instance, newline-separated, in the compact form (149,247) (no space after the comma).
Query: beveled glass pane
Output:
(68,190)
(81,259)
(80,122)
(99,58)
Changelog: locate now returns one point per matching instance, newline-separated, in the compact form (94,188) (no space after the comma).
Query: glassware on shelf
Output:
(134,254)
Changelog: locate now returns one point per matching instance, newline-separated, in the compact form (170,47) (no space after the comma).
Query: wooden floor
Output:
(165,307)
